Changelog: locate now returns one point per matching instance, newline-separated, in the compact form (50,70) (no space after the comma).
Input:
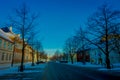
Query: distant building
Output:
(98,57)
(74,57)
(83,55)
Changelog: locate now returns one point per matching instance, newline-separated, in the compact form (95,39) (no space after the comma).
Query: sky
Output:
(59,19)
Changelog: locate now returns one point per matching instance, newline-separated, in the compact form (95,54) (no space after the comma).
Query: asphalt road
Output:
(59,71)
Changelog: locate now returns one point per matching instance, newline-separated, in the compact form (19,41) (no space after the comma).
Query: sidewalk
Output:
(4,66)
(29,73)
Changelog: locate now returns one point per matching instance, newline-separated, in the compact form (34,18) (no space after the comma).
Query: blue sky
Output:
(58,18)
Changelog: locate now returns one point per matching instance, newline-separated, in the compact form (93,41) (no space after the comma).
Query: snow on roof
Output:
(7,33)
(10,35)
(3,35)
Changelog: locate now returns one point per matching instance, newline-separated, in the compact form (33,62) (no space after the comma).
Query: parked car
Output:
(63,61)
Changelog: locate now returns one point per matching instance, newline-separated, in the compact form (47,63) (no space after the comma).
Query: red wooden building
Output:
(83,55)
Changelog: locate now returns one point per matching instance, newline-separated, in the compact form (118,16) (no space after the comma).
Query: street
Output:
(59,71)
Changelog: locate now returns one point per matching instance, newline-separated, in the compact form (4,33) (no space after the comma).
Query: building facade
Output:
(11,47)
(6,48)
(98,57)
(83,56)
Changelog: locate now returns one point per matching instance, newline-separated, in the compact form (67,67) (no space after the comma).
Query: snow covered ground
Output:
(40,67)
(116,67)
(28,69)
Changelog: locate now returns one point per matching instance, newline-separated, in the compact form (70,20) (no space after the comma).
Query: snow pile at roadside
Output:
(28,69)
(116,67)
(113,69)
(87,64)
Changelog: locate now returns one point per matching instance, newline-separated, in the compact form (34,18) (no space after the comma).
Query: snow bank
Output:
(87,64)
(113,69)
(116,66)
(28,69)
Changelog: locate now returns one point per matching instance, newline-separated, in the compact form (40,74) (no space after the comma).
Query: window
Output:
(4,44)
(26,57)
(0,42)
(6,56)
(9,46)
(10,56)
(3,55)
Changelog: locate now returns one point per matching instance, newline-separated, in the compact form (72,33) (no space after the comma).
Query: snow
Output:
(28,69)
(113,69)
(40,67)
(87,64)
(2,34)
(116,66)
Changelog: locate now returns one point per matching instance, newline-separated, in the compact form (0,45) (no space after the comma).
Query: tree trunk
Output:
(13,56)
(71,59)
(107,49)
(107,55)
(32,58)
(84,57)
(22,60)
(108,63)
(37,56)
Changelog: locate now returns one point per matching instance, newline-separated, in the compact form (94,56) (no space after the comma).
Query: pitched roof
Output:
(7,34)
(3,35)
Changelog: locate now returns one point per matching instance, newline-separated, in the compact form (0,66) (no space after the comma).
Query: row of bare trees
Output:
(102,31)
(26,24)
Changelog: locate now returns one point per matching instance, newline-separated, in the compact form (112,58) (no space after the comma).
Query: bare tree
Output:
(45,57)
(57,53)
(15,39)
(70,47)
(100,25)
(39,49)
(41,55)
(24,22)
(32,43)
(81,42)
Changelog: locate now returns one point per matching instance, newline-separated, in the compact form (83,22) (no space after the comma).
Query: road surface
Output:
(59,71)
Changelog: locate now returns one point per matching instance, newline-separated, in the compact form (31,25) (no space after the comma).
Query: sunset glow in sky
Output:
(59,19)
